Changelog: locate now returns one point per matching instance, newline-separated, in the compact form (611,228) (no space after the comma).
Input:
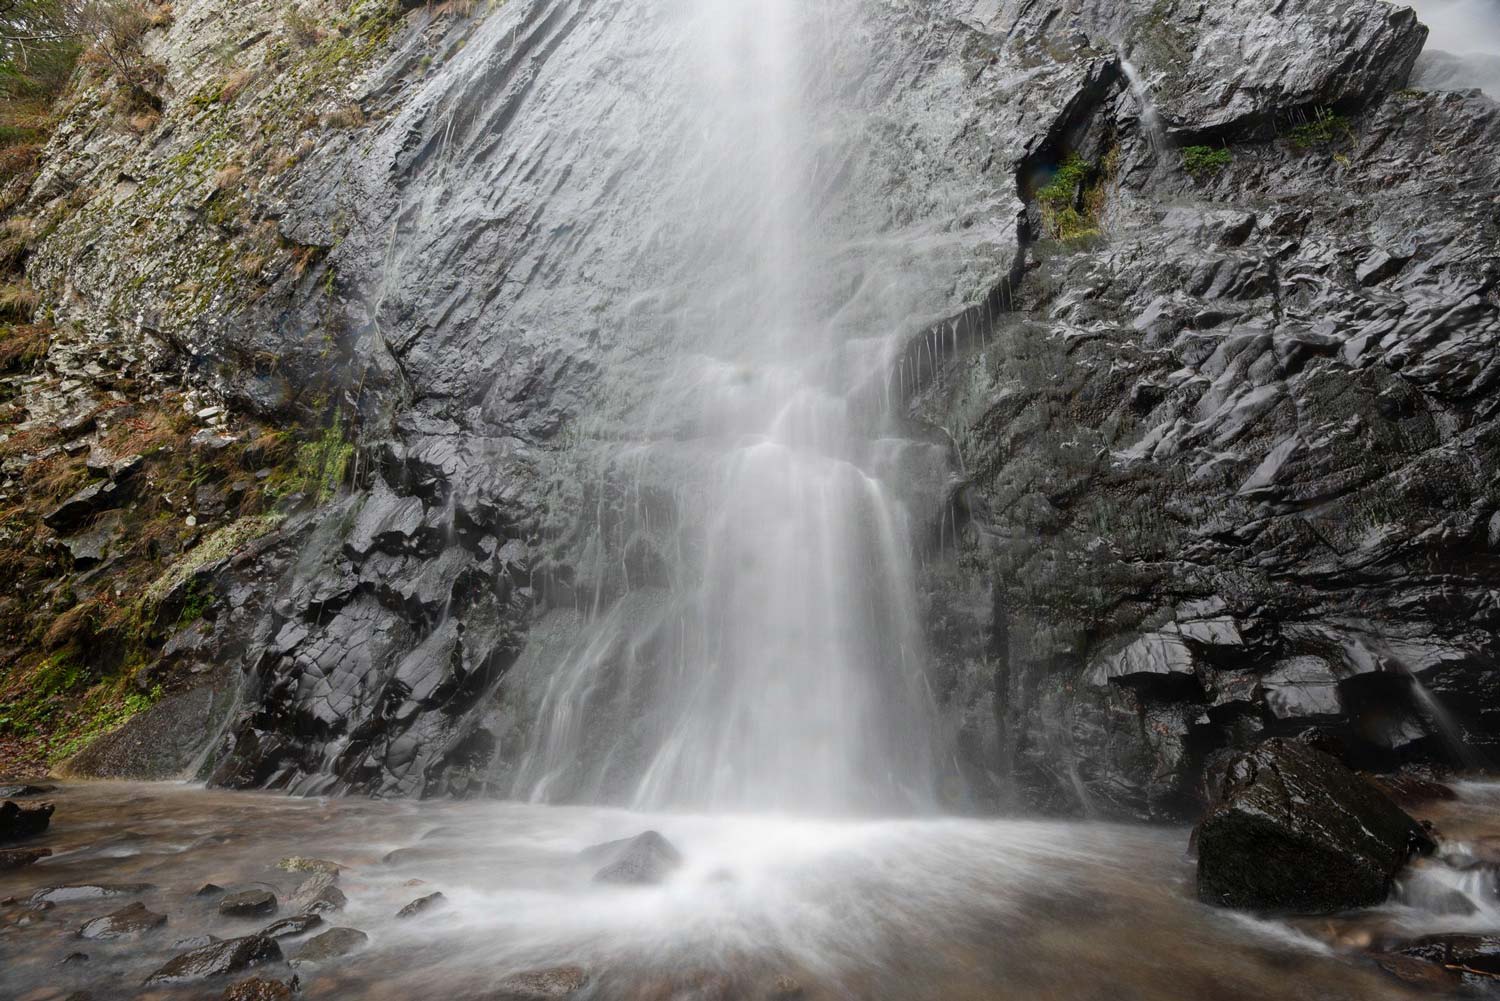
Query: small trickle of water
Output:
(1150,120)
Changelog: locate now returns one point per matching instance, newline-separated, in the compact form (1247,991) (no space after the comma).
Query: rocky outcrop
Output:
(1211,468)
(1198,504)
(1294,830)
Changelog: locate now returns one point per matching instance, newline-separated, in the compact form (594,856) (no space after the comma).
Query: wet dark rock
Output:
(1294,830)
(20,822)
(130,921)
(217,959)
(259,989)
(331,944)
(297,924)
(16,858)
(646,858)
(1470,954)
(92,546)
(252,903)
(22,790)
(318,895)
(74,892)
(73,958)
(209,890)
(540,985)
(422,905)
(1420,973)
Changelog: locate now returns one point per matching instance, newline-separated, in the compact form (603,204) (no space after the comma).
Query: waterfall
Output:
(783,670)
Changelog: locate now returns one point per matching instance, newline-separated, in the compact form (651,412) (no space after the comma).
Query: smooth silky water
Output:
(894,909)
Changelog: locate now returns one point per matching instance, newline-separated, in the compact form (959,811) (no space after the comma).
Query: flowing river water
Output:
(762,907)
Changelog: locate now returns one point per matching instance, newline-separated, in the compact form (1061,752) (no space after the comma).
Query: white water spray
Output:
(784,672)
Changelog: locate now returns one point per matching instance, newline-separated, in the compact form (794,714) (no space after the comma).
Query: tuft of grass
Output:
(1072,202)
(1325,128)
(1205,161)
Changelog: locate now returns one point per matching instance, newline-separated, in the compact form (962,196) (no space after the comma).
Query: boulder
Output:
(129,921)
(1294,830)
(421,905)
(646,858)
(19,822)
(252,903)
(216,960)
(333,943)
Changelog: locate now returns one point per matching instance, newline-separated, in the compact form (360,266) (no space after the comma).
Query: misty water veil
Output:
(786,664)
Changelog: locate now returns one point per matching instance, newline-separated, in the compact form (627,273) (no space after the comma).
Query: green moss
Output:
(217,546)
(1204,161)
(323,463)
(104,710)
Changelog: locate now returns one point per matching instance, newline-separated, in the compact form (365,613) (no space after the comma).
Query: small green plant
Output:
(1325,127)
(1072,201)
(1205,161)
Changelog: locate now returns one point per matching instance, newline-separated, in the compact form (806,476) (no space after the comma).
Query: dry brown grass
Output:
(228,178)
(18,300)
(235,84)
(22,345)
(55,478)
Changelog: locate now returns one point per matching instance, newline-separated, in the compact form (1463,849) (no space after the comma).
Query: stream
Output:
(762,906)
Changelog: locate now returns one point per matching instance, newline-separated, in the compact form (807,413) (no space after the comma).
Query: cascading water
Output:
(790,673)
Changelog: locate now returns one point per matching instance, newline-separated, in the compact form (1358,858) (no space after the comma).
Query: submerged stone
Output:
(541,985)
(217,959)
(422,905)
(331,944)
(74,892)
(646,858)
(17,858)
(127,922)
(258,989)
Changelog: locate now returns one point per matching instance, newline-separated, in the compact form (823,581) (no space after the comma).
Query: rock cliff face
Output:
(1202,363)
